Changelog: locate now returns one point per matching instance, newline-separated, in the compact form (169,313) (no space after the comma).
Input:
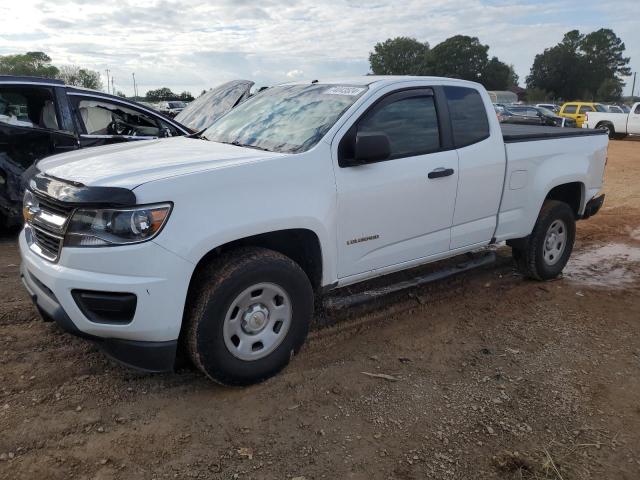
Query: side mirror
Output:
(371,147)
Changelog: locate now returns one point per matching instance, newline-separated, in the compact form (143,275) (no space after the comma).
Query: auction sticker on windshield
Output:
(349,91)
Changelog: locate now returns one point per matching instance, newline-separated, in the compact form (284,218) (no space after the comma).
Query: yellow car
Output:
(579,110)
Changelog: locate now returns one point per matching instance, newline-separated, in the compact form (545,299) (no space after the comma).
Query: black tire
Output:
(211,297)
(529,255)
(608,127)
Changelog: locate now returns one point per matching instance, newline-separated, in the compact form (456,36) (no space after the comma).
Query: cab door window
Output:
(104,118)
(411,124)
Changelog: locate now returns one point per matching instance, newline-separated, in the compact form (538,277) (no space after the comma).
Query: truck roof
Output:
(375,79)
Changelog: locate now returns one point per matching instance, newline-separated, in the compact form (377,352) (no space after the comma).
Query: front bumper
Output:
(156,276)
(593,206)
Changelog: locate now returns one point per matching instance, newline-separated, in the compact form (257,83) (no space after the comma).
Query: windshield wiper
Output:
(199,135)
(239,144)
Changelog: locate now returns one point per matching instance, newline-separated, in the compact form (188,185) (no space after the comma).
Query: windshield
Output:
(600,108)
(286,118)
(546,112)
(208,107)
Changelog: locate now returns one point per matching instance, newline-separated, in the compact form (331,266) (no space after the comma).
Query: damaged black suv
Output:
(41,117)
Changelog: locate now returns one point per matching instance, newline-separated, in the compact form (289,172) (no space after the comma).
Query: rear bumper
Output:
(593,206)
(147,356)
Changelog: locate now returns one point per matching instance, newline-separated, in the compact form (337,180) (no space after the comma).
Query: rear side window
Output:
(411,125)
(637,109)
(586,108)
(569,109)
(31,107)
(469,120)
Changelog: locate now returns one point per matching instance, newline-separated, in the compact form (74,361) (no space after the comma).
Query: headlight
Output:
(29,206)
(104,227)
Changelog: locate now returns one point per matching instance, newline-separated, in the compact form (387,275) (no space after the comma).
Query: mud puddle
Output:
(613,265)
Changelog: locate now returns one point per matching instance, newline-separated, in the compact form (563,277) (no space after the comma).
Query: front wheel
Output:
(547,250)
(248,313)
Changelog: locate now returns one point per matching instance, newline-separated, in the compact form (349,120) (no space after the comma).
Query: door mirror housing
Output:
(371,147)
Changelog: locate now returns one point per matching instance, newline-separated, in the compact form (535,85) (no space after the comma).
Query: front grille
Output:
(49,243)
(47,227)
(53,206)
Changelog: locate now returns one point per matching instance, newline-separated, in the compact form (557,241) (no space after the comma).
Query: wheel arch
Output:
(302,245)
(609,124)
(571,193)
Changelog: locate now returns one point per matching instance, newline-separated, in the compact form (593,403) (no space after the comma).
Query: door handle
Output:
(440,172)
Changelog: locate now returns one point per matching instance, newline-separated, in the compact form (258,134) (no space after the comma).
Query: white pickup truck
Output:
(219,243)
(617,125)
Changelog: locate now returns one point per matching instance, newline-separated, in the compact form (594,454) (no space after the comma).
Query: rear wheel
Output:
(249,313)
(607,127)
(545,253)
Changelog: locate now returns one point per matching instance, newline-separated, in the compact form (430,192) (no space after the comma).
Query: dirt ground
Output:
(491,376)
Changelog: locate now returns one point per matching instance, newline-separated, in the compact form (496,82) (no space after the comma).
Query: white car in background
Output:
(617,108)
(617,125)
(172,107)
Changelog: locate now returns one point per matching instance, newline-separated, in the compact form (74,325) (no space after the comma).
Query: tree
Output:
(80,77)
(603,52)
(35,64)
(120,93)
(581,66)
(460,57)
(400,56)
(497,75)
(185,97)
(161,94)
(610,90)
(537,95)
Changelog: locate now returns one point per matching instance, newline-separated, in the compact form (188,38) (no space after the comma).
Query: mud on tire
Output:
(545,253)
(227,325)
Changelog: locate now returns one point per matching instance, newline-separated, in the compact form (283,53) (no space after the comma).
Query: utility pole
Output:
(107,70)
(633,88)
(135,89)
(113,85)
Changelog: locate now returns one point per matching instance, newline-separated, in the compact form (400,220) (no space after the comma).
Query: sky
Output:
(198,44)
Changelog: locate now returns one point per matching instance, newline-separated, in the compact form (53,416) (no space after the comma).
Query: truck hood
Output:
(134,163)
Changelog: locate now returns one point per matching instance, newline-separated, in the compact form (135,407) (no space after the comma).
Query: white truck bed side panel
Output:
(536,167)
(618,120)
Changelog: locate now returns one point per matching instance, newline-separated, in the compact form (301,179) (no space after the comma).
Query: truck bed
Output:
(528,133)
